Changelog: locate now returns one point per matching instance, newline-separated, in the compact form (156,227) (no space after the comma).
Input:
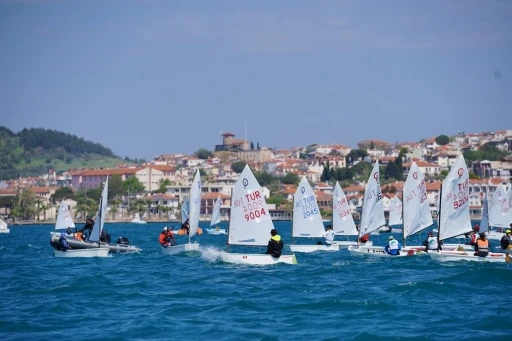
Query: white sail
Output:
(250,222)
(499,210)
(484,221)
(195,204)
(417,214)
(216,211)
(342,220)
(100,217)
(454,217)
(307,221)
(64,219)
(3,225)
(373,211)
(395,211)
(184,210)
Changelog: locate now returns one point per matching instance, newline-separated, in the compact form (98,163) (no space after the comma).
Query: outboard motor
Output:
(123,241)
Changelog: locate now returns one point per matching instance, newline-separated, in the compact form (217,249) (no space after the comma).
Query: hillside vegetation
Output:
(34,151)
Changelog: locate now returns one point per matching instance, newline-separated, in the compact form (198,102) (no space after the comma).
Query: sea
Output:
(196,296)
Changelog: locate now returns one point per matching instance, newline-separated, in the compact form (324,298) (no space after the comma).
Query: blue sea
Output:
(327,296)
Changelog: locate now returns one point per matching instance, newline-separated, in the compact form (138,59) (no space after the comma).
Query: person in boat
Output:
(275,244)
(170,236)
(506,240)
(63,243)
(79,235)
(328,235)
(185,229)
(162,239)
(482,246)
(431,242)
(474,236)
(105,237)
(69,232)
(87,229)
(393,248)
(364,238)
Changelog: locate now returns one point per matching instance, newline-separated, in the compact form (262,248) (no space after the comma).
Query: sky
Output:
(150,77)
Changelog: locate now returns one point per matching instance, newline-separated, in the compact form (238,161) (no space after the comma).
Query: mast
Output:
(439,216)
(229,222)
(403,222)
(293,209)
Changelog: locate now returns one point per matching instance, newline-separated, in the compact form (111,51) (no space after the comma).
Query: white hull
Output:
(312,248)
(215,231)
(378,251)
(343,244)
(384,229)
(449,256)
(446,247)
(134,221)
(176,249)
(4,230)
(78,244)
(83,253)
(257,259)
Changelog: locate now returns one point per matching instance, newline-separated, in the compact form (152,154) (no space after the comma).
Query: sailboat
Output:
(454,218)
(121,246)
(395,212)
(250,223)
(342,221)
(499,213)
(193,218)
(216,218)
(65,220)
(3,227)
(307,221)
(372,216)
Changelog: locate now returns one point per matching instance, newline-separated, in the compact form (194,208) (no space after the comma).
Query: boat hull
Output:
(379,251)
(78,244)
(83,253)
(453,256)
(312,248)
(5,231)
(343,244)
(176,249)
(215,231)
(257,259)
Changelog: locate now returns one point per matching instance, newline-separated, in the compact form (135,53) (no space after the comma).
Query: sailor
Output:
(69,231)
(393,248)
(431,242)
(63,243)
(87,229)
(328,235)
(275,244)
(506,241)
(162,239)
(482,246)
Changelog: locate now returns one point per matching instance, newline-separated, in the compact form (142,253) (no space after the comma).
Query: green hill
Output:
(34,151)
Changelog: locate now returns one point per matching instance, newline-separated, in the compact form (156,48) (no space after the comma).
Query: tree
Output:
(162,185)
(258,146)
(263,178)
(291,179)
(203,153)
(356,154)
(132,184)
(276,199)
(442,140)
(62,193)
(372,145)
(202,172)
(115,186)
(238,166)
(252,145)
(326,174)
(114,207)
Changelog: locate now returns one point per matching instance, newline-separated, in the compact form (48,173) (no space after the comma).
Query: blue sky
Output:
(146,77)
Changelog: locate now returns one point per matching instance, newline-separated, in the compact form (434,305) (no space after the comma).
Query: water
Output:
(327,296)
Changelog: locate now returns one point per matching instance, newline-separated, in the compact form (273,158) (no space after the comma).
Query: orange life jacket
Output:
(483,245)
(79,236)
(162,237)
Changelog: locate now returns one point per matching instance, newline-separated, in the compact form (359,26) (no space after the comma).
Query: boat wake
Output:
(212,254)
